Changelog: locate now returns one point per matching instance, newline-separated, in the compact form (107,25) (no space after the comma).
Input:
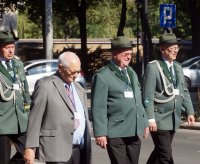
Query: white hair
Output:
(66,58)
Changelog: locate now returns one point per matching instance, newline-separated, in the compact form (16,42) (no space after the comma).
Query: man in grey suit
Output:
(165,95)
(58,128)
(118,114)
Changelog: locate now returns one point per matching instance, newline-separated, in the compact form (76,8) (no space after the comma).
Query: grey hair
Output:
(66,58)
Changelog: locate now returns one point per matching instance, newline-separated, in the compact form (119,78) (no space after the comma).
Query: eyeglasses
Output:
(173,48)
(71,72)
(126,54)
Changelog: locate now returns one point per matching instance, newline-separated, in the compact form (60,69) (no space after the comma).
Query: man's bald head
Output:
(68,58)
(69,66)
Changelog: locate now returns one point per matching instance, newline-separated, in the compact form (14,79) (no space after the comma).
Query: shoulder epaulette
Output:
(177,62)
(153,61)
(97,71)
(16,57)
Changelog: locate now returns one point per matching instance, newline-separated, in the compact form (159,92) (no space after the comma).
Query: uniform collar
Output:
(118,66)
(168,64)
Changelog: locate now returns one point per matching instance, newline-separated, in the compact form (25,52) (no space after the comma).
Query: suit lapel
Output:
(113,68)
(117,72)
(5,72)
(165,69)
(62,91)
(177,72)
(15,67)
(80,93)
(130,74)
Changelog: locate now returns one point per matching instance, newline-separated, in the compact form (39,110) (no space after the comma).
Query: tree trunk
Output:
(195,14)
(81,10)
(43,29)
(120,31)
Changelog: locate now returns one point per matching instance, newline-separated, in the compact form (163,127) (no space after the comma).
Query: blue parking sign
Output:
(168,15)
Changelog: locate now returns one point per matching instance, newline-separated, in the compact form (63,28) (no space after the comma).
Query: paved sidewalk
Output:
(185,125)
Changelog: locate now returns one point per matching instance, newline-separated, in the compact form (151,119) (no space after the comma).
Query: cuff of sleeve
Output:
(152,120)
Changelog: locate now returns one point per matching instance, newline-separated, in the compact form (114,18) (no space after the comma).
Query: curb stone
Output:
(185,125)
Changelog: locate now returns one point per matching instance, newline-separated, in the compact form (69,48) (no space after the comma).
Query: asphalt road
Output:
(186,149)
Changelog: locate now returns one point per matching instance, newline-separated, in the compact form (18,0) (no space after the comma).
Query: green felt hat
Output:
(168,38)
(120,42)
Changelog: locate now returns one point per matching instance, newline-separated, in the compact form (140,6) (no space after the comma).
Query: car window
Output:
(26,63)
(195,66)
(54,66)
(37,69)
(190,61)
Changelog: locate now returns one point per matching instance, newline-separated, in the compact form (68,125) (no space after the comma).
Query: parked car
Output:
(191,71)
(36,69)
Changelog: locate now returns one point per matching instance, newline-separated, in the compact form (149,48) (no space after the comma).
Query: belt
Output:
(163,110)
(78,146)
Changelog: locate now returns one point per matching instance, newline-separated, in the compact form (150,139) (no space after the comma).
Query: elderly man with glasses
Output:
(119,118)
(164,96)
(59,128)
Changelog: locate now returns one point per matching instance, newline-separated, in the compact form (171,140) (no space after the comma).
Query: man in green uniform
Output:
(118,114)
(14,101)
(164,96)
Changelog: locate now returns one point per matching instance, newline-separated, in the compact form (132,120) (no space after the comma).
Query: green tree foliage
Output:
(103,18)
(28,29)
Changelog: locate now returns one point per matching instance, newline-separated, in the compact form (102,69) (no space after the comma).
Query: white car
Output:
(36,69)
(191,71)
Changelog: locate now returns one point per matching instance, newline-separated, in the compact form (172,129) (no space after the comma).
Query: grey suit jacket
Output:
(51,121)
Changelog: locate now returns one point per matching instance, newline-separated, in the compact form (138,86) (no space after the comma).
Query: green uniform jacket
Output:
(113,114)
(168,114)
(12,112)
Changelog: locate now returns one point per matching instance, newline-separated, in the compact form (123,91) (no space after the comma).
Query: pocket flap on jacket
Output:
(117,118)
(50,133)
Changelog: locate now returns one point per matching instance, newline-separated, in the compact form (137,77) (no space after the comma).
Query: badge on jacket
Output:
(128,94)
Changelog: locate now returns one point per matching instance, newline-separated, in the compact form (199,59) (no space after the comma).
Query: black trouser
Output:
(162,153)
(5,148)
(75,158)
(124,150)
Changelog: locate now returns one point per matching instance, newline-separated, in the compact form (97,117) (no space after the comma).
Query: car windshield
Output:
(27,63)
(190,61)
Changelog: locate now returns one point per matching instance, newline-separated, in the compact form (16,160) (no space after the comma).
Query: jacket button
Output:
(72,133)
(72,118)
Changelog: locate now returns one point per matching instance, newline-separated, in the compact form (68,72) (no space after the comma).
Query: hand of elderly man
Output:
(29,156)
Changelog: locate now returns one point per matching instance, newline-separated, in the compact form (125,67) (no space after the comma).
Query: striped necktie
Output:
(9,68)
(124,76)
(70,94)
(173,77)
(71,97)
